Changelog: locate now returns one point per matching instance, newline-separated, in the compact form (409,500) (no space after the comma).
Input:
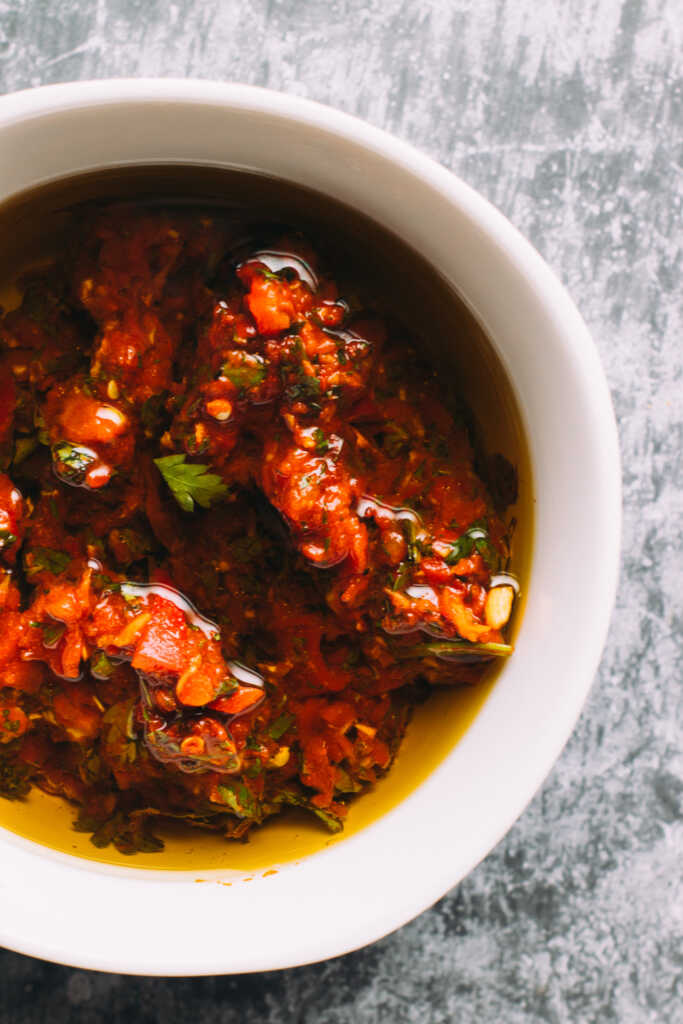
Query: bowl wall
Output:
(357,890)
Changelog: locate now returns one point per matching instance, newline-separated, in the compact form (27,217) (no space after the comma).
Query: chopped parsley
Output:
(239,799)
(47,560)
(288,796)
(227,687)
(476,538)
(305,389)
(23,447)
(53,631)
(455,649)
(101,666)
(322,444)
(414,544)
(268,274)
(400,577)
(280,726)
(244,376)
(190,482)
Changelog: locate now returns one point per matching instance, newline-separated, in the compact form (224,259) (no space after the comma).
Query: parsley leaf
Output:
(455,650)
(23,447)
(227,687)
(460,548)
(244,376)
(190,482)
(305,389)
(52,632)
(288,796)
(117,747)
(128,833)
(101,666)
(400,578)
(48,560)
(321,442)
(239,799)
(280,726)
(476,538)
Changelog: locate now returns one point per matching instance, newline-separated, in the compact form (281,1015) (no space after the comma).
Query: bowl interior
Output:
(404,285)
(373,881)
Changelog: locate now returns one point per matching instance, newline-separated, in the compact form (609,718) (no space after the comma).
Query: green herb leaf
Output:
(461,548)
(288,796)
(117,748)
(239,799)
(475,538)
(190,482)
(127,832)
(280,726)
(244,375)
(53,631)
(415,545)
(227,687)
(45,559)
(306,390)
(333,823)
(345,783)
(321,442)
(39,424)
(268,274)
(401,577)
(9,724)
(7,539)
(101,666)
(23,447)
(455,649)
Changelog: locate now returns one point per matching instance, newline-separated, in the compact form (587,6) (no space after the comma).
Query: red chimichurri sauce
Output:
(241,535)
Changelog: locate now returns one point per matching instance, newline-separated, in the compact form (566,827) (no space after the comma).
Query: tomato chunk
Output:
(163,641)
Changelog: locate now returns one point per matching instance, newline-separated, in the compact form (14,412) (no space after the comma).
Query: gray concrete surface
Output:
(568,114)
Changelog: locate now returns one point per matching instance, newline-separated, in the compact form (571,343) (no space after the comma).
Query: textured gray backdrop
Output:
(568,114)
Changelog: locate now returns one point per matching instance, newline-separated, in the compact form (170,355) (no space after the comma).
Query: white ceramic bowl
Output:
(68,910)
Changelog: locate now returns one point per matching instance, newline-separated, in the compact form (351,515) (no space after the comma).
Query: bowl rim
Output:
(551,296)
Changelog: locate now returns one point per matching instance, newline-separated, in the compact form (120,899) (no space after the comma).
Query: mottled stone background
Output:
(568,114)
